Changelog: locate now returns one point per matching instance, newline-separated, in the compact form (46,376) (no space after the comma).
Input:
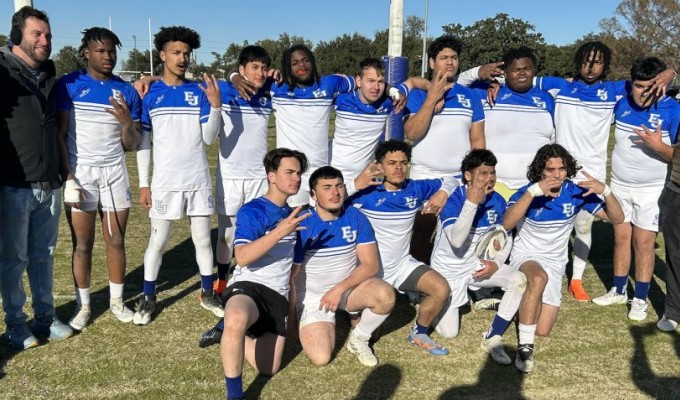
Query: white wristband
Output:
(607,191)
(71,192)
(535,190)
(393,93)
(231,76)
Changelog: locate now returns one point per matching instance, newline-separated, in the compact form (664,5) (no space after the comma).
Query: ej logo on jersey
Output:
(191,98)
(411,201)
(602,94)
(463,101)
(116,94)
(348,234)
(491,216)
(568,209)
(539,102)
(654,120)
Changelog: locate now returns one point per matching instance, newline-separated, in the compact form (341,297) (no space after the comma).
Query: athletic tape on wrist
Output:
(607,191)
(71,193)
(535,190)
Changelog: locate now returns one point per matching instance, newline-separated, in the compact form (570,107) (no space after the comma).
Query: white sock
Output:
(83,297)
(116,290)
(527,333)
(369,322)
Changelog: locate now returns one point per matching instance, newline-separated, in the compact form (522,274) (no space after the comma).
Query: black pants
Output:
(670,226)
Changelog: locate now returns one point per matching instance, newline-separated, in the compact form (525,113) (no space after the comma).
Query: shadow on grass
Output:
(659,387)
(495,382)
(403,314)
(380,384)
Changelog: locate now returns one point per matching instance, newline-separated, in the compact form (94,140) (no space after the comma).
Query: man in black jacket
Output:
(29,179)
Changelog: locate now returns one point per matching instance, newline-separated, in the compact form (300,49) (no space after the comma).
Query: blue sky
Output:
(224,22)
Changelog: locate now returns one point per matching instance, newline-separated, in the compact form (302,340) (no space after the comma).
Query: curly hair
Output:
(96,34)
(583,55)
(476,158)
(548,151)
(515,54)
(444,42)
(177,34)
(392,146)
(286,70)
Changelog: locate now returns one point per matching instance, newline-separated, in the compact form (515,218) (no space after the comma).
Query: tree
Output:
(343,54)
(68,60)
(142,63)
(642,28)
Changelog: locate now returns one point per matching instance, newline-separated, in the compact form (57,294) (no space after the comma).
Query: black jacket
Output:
(29,147)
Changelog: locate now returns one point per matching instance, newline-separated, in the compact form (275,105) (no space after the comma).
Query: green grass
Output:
(593,352)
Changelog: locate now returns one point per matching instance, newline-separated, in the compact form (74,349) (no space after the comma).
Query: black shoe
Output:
(525,358)
(210,337)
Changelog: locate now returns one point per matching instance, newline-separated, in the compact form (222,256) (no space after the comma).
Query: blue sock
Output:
(149,288)
(222,271)
(207,282)
(421,329)
(498,327)
(234,387)
(220,325)
(641,290)
(620,283)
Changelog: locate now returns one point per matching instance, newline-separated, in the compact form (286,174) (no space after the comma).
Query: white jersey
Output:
(545,228)
(440,151)
(457,263)
(392,214)
(515,128)
(94,135)
(358,127)
(327,249)
(636,165)
(175,114)
(243,141)
(254,220)
(583,116)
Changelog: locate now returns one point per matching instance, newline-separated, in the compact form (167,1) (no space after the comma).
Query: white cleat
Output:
(494,346)
(611,297)
(361,349)
(638,310)
(80,318)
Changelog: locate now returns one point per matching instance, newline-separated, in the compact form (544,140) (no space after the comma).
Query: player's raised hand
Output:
(142,85)
(245,88)
(492,93)
(592,184)
(550,185)
(145,197)
(660,83)
(211,90)
(120,110)
(275,74)
(292,222)
(439,86)
(399,103)
(490,71)
(479,187)
(370,176)
(435,203)
(649,138)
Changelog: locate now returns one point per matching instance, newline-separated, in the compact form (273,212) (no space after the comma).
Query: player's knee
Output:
(446,331)
(235,320)
(115,240)
(537,279)
(319,359)
(543,332)
(83,248)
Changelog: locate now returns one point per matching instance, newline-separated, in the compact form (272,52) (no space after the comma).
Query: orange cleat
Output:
(219,286)
(576,289)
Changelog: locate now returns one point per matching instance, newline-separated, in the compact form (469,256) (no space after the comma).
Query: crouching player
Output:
(257,295)
(336,260)
(544,212)
(471,211)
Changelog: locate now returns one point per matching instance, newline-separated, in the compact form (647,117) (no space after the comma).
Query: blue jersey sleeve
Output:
(64,99)
(549,83)
(365,233)
(250,226)
(427,187)
(339,83)
(134,105)
(453,207)
(674,122)
(513,199)
(592,203)
(414,101)
(146,118)
(620,88)
(298,251)
(205,105)
(477,107)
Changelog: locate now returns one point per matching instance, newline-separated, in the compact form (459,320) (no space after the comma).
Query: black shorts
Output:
(410,284)
(271,305)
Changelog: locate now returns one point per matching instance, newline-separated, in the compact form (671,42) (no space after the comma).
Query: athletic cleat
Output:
(525,358)
(425,342)
(361,349)
(638,310)
(80,318)
(212,302)
(219,286)
(490,304)
(145,308)
(611,297)
(121,312)
(20,337)
(666,325)
(210,337)
(49,326)
(577,290)
(494,346)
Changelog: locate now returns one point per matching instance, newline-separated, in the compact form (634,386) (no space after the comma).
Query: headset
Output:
(15,35)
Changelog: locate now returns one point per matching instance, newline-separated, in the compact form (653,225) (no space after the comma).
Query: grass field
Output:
(593,353)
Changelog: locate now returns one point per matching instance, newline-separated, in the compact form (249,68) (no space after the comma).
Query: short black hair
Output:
(444,42)
(19,18)
(272,159)
(517,53)
(326,172)
(476,158)
(252,53)
(645,69)
(177,34)
(548,151)
(96,34)
(371,62)
(583,55)
(392,146)
(286,70)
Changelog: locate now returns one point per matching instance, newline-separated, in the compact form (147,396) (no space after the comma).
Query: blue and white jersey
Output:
(544,231)
(94,135)
(358,127)
(327,249)
(515,128)
(243,141)
(303,114)
(636,165)
(254,220)
(175,115)
(583,116)
(440,151)
(392,214)
(458,263)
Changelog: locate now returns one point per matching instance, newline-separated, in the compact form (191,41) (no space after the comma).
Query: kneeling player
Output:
(336,259)
(471,210)
(544,212)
